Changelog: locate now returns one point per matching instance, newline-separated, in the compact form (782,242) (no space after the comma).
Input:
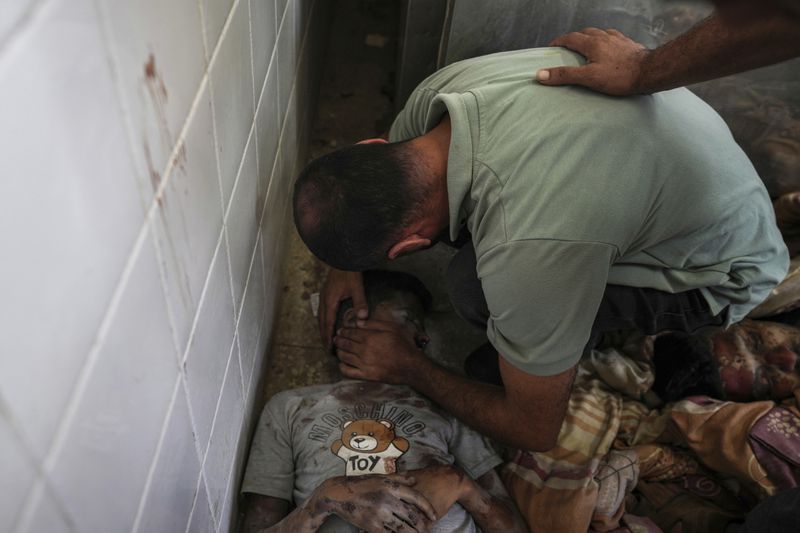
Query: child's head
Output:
(751,360)
(392,297)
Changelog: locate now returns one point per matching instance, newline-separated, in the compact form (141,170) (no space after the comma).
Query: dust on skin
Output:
(370,494)
(757,360)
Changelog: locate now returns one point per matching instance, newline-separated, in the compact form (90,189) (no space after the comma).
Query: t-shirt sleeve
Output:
(270,467)
(543,296)
(412,120)
(472,451)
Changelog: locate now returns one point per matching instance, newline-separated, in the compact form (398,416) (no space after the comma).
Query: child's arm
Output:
(372,503)
(485,498)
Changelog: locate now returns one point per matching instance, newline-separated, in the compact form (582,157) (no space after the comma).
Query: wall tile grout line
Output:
(214,420)
(24,445)
(260,100)
(156,455)
(190,340)
(24,22)
(200,481)
(250,138)
(252,74)
(194,436)
(200,303)
(246,388)
(244,297)
(228,485)
(218,45)
(82,381)
(202,449)
(209,58)
(288,105)
(114,67)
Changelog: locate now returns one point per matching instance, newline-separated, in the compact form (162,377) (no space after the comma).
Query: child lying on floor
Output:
(373,456)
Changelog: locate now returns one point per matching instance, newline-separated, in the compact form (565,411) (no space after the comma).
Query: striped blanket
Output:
(616,440)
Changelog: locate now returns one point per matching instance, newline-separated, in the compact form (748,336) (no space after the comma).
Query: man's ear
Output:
(408,244)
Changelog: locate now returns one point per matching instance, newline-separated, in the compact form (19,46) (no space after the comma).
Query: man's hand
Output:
(614,62)
(340,286)
(376,503)
(378,351)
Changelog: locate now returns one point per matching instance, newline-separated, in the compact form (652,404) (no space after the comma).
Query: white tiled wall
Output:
(147,155)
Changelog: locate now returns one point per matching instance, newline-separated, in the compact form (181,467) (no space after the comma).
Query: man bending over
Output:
(585,213)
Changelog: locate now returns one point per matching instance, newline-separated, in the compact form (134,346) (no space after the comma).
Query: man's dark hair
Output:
(383,285)
(684,366)
(351,204)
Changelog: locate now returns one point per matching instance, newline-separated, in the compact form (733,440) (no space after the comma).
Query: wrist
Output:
(642,79)
(467,492)
(419,376)
(319,504)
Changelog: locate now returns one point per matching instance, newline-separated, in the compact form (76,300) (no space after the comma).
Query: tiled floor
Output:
(354,104)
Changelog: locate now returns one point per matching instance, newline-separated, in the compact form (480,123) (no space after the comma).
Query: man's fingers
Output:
(348,358)
(360,302)
(574,41)
(353,334)
(592,31)
(351,371)
(563,76)
(376,325)
(615,33)
(327,317)
(346,345)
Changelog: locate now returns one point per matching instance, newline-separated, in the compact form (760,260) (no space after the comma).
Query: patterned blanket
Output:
(694,465)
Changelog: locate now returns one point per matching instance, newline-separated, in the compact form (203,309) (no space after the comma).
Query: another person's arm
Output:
(371,503)
(716,47)
(527,412)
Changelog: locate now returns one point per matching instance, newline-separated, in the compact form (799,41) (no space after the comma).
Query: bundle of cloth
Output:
(627,461)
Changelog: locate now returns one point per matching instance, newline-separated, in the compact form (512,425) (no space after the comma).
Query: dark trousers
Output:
(648,310)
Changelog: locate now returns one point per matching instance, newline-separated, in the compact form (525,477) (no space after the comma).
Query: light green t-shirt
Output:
(565,190)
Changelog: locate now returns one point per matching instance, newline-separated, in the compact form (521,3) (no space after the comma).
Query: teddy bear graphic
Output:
(369,446)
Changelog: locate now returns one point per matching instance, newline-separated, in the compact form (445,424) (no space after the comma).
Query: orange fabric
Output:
(544,509)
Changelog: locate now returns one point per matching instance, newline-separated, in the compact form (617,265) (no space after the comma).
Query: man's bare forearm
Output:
(526,412)
(719,47)
(484,407)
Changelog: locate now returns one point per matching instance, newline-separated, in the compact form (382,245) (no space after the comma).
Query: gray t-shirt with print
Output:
(308,435)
